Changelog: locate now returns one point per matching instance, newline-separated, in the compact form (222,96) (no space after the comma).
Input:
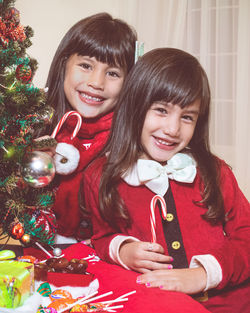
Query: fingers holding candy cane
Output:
(136,256)
(146,256)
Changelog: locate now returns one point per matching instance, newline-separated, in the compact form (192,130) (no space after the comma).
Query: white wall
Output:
(154,21)
(50,20)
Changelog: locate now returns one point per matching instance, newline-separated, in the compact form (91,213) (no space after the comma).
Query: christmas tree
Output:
(25,174)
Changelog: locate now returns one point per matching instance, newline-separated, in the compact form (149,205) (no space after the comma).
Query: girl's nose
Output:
(96,80)
(172,126)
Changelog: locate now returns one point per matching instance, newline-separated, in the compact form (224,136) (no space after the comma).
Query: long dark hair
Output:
(109,40)
(170,75)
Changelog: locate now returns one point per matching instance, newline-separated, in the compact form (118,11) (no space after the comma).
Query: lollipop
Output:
(60,294)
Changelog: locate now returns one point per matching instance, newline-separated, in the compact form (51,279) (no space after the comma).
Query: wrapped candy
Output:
(79,308)
(60,294)
(91,307)
(16,283)
(44,289)
(27,258)
(60,304)
(7,254)
(86,304)
(46,310)
(96,307)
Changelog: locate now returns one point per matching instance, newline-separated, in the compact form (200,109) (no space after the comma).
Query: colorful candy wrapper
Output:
(16,283)
(60,294)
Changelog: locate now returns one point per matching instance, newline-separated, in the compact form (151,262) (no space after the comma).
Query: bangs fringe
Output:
(105,51)
(179,90)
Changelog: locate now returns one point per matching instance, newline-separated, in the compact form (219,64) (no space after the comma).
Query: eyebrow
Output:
(185,109)
(191,111)
(90,59)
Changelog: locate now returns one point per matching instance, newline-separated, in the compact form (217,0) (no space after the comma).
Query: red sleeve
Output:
(103,233)
(234,254)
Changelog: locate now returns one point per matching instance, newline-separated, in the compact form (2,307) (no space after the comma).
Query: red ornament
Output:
(16,230)
(12,16)
(3,30)
(11,30)
(17,33)
(23,73)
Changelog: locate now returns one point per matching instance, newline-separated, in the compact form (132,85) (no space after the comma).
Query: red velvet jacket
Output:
(230,244)
(66,206)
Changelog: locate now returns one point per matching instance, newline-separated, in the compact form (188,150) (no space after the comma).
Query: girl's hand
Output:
(187,280)
(48,149)
(144,256)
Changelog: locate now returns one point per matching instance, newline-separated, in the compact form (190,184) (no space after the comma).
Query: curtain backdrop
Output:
(241,148)
(218,33)
(215,31)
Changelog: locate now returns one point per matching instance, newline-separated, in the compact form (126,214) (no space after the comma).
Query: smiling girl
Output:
(86,75)
(92,86)
(196,239)
(168,129)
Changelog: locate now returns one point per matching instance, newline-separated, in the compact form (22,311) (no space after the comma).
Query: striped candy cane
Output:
(152,214)
(63,119)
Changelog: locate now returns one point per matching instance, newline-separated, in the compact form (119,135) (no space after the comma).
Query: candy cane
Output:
(63,119)
(152,214)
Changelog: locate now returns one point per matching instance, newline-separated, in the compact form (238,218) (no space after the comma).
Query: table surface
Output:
(18,249)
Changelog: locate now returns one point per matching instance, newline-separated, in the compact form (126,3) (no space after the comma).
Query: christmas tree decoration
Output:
(57,252)
(38,169)
(25,239)
(26,175)
(23,73)
(16,230)
(46,115)
(12,15)
(41,225)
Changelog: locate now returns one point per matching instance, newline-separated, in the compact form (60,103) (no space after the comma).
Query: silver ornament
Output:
(38,169)
(57,252)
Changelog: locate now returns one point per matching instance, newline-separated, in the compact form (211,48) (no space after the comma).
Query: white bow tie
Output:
(181,167)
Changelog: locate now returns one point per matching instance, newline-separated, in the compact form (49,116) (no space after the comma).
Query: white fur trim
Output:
(211,266)
(59,239)
(71,154)
(114,248)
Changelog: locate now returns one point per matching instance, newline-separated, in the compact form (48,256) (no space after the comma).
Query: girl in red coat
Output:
(196,238)
(86,76)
